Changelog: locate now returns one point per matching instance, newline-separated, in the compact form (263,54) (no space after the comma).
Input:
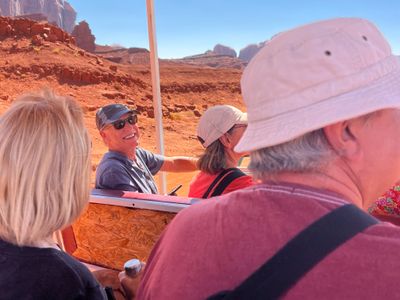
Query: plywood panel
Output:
(109,235)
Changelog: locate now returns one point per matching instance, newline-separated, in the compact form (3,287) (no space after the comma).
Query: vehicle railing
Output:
(141,201)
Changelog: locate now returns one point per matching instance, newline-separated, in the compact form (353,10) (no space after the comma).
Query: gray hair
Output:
(305,153)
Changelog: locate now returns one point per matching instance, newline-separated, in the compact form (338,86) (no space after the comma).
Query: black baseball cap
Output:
(111,113)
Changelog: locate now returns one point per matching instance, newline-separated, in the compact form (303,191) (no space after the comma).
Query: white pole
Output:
(155,79)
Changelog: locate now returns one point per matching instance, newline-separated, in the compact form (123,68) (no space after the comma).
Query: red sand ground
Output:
(93,81)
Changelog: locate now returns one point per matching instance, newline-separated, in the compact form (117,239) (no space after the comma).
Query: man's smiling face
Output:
(124,140)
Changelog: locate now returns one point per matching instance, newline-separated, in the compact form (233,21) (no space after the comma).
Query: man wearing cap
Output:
(126,166)
(320,100)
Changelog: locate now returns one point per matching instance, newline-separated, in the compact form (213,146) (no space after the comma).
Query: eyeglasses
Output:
(119,124)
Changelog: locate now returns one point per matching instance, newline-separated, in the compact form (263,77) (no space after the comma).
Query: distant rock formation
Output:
(124,55)
(224,50)
(105,48)
(59,12)
(84,37)
(210,59)
(248,52)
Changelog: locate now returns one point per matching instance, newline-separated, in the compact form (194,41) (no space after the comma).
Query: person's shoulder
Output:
(241,182)
(110,160)
(384,232)
(145,153)
(78,274)
(152,160)
(68,264)
(378,247)
(65,276)
(206,209)
(140,150)
(203,179)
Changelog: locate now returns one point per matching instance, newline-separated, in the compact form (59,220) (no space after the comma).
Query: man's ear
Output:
(103,134)
(343,138)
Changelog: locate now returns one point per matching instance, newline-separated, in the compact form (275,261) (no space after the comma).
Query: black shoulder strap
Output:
(235,173)
(301,254)
(216,180)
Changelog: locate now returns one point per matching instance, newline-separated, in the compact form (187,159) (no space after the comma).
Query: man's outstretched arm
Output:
(179,164)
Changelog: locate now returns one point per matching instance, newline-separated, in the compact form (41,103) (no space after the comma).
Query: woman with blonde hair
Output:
(220,129)
(44,185)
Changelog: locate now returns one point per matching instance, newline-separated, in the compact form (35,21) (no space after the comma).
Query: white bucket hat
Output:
(216,121)
(314,76)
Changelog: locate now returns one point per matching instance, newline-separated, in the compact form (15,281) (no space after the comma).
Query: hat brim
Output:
(242,120)
(383,93)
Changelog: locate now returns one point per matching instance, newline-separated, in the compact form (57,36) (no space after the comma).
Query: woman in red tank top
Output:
(219,130)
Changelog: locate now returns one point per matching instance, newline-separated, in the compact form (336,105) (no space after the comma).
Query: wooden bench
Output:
(118,226)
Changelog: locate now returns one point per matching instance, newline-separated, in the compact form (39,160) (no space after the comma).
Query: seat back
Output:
(118,226)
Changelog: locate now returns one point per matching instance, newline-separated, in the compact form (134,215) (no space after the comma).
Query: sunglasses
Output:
(119,124)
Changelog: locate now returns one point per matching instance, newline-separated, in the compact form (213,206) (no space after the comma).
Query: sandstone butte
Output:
(37,55)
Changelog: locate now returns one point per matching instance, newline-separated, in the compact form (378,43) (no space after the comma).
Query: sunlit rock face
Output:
(58,12)
(84,37)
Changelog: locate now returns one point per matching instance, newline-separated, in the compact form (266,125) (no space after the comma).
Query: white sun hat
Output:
(314,76)
(216,121)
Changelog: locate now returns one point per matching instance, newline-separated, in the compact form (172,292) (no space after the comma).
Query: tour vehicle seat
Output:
(118,226)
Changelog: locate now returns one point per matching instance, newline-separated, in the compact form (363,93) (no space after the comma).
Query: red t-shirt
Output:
(213,246)
(201,182)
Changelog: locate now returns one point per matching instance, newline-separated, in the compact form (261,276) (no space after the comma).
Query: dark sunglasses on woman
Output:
(119,124)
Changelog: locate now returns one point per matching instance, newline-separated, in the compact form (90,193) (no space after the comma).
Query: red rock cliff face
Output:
(37,32)
(59,12)
(84,37)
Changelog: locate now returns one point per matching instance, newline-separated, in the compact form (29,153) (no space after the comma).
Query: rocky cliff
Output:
(224,50)
(59,12)
(210,59)
(248,52)
(223,56)
(84,37)
(37,33)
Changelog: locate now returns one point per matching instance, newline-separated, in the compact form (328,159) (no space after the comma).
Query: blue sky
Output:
(189,27)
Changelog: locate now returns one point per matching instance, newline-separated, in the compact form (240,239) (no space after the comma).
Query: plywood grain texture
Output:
(108,235)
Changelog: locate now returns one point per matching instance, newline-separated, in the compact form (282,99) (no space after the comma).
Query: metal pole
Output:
(155,79)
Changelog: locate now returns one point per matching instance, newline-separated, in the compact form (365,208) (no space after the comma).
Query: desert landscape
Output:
(36,55)
(42,46)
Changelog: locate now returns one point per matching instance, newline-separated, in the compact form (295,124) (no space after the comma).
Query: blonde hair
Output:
(45,167)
